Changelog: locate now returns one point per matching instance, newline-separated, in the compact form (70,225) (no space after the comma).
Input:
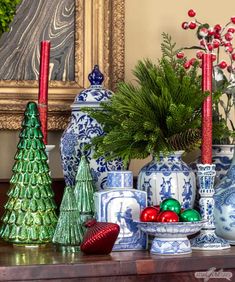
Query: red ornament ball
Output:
(233,20)
(233,56)
(192,25)
(149,214)
(223,65)
(184,25)
(99,237)
(168,216)
(191,13)
(180,55)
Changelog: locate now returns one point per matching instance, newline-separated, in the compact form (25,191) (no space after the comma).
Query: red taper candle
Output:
(43,87)
(207,109)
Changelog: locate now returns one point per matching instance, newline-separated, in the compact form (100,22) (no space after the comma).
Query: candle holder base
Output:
(208,240)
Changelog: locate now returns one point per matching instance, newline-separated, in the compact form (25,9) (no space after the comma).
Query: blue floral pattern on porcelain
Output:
(168,177)
(123,206)
(224,211)
(120,179)
(79,132)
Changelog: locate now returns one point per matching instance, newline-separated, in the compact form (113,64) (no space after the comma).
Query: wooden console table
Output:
(45,264)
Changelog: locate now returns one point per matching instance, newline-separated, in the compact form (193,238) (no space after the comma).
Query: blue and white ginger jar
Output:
(81,129)
(168,177)
(224,210)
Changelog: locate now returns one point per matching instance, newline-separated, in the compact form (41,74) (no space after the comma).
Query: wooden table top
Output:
(44,263)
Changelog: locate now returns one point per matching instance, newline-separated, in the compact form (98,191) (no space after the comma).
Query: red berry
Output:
(231,29)
(217,28)
(233,20)
(210,47)
(191,13)
(210,31)
(192,25)
(199,54)
(180,55)
(187,65)
(228,36)
(184,25)
(213,57)
(222,64)
(227,44)
(233,56)
(192,61)
(229,49)
(216,43)
(217,35)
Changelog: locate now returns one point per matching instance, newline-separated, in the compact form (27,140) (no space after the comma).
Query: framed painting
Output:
(82,33)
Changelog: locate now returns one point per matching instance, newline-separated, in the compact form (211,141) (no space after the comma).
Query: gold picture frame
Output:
(99,39)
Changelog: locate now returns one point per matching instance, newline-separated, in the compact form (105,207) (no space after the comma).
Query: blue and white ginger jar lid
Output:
(96,93)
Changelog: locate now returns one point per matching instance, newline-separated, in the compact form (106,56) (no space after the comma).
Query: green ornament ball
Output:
(170,205)
(190,215)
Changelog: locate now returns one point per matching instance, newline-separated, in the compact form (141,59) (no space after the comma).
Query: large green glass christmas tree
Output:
(30,217)
(84,191)
(69,230)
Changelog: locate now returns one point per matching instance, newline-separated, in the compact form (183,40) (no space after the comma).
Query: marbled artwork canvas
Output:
(38,20)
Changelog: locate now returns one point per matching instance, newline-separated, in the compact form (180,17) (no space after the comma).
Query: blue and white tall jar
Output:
(168,177)
(224,210)
(122,204)
(81,129)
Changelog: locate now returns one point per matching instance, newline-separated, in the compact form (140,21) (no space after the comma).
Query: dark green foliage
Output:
(7,12)
(30,216)
(161,114)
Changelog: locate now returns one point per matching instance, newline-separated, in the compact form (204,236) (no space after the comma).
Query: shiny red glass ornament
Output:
(149,214)
(100,237)
(168,216)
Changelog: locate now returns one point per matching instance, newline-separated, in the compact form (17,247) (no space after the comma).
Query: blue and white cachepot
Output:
(122,204)
(224,211)
(168,177)
(81,129)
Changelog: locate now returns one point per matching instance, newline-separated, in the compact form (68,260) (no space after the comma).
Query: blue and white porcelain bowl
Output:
(170,237)
(120,179)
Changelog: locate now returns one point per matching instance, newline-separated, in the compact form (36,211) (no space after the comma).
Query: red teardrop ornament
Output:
(100,237)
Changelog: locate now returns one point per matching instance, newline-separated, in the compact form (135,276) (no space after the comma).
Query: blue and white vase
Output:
(122,204)
(81,129)
(224,211)
(168,177)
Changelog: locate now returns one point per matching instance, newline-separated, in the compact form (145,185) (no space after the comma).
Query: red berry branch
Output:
(211,39)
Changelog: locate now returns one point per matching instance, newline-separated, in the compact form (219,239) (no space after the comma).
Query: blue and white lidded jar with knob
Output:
(81,129)
(122,204)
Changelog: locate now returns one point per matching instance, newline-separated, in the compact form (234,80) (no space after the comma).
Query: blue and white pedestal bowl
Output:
(170,237)
(168,177)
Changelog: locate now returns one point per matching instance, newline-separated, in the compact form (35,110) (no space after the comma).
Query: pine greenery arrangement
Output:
(161,114)
(7,13)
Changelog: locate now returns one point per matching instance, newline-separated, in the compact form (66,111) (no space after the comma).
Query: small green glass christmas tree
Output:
(84,191)
(69,231)
(30,217)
